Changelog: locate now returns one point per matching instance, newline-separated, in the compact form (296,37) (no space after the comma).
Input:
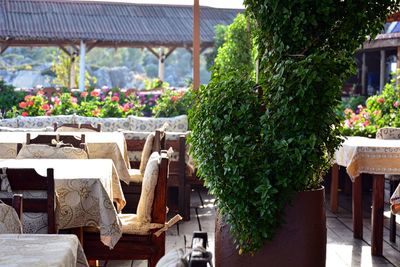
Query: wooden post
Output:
(378,187)
(72,72)
(196,44)
(82,67)
(357,208)
(334,187)
(364,75)
(382,70)
(161,59)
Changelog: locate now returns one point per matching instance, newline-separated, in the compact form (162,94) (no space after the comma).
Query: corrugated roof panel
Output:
(108,22)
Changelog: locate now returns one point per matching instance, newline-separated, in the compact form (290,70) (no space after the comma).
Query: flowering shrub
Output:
(173,103)
(90,104)
(65,104)
(380,111)
(148,100)
(33,105)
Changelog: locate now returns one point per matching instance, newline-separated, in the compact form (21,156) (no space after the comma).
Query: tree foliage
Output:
(255,162)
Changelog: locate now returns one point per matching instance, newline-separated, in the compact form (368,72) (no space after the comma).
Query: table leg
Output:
(357,208)
(334,187)
(377,215)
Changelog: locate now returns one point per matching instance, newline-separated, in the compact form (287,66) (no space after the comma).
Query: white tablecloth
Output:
(41,251)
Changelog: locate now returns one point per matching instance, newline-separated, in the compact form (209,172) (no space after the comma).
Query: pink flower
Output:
(94,93)
(348,111)
(126,107)
(29,103)
(396,104)
(45,107)
(57,101)
(27,97)
(40,92)
(22,105)
(84,94)
(380,100)
(24,114)
(366,123)
(74,99)
(115,98)
(348,123)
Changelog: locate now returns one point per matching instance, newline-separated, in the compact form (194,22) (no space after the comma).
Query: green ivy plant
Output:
(254,162)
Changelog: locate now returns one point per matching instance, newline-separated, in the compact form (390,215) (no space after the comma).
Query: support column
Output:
(72,71)
(161,59)
(196,44)
(82,67)
(398,62)
(364,75)
(382,80)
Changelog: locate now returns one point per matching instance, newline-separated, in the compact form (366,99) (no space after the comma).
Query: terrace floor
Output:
(342,248)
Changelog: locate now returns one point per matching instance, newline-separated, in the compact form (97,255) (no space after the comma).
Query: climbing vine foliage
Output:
(253,160)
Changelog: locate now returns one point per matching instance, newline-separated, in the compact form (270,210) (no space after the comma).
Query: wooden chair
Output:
(137,246)
(29,180)
(77,127)
(132,191)
(47,140)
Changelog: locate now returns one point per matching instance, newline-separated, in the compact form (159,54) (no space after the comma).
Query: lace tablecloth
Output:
(84,188)
(9,221)
(366,155)
(41,250)
(103,145)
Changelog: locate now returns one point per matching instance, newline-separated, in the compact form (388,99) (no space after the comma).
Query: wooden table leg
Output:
(334,187)
(357,208)
(377,215)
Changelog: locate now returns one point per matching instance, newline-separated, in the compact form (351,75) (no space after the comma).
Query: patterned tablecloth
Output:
(41,250)
(84,190)
(374,156)
(103,145)
(9,221)
(366,155)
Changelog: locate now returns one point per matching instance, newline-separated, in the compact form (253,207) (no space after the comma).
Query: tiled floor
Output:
(342,248)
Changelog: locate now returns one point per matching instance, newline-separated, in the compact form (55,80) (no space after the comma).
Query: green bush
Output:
(9,97)
(254,162)
(173,103)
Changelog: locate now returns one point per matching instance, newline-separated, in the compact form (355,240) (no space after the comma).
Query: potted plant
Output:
(258,163)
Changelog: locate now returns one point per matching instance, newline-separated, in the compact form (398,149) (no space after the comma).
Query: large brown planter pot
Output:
(300,242)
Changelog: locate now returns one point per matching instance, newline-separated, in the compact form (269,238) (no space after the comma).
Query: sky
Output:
(212,3)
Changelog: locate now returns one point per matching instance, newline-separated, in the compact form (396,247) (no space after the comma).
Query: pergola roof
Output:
(57,22)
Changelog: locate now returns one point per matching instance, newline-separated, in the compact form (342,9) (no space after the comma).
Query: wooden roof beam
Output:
(152,51)
(3,48)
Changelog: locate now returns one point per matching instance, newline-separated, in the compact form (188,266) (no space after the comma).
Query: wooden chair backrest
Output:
(46,139)
(29,180)
(17,203)
(159,140)
(159,212)
(79,126)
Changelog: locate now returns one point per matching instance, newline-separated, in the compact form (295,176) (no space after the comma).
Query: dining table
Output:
(9,220)
(377,157)
(100,145)
(85,191)
(37,250)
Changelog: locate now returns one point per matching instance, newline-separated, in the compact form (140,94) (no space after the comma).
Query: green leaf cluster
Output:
(9,97)
(254,153)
